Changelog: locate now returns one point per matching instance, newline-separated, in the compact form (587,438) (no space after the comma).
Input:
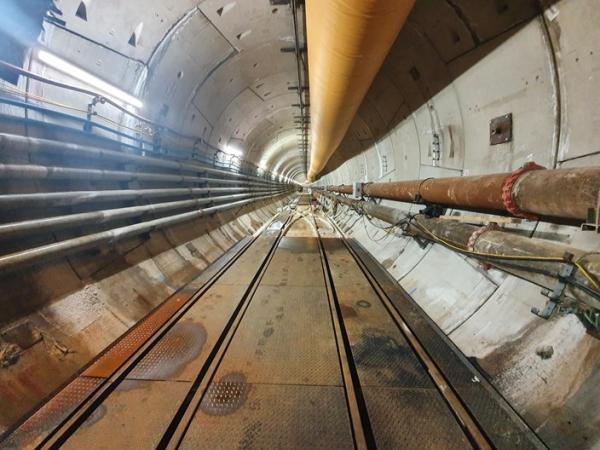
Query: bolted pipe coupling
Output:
(507,191)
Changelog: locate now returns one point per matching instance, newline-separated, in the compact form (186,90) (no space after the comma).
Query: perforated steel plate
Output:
(286,336)
(52,413)
(271,417)
(134,416)
(412,419)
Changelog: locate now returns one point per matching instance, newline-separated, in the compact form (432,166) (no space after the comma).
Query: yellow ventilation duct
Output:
(348,41)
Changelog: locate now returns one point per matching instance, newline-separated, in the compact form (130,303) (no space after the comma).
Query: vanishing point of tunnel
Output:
(300,224)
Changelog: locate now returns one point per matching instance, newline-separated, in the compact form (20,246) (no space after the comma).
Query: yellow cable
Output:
(578,264)
(587,275)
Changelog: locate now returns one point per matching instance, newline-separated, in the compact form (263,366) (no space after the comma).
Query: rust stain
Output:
(122,350)
(52,413)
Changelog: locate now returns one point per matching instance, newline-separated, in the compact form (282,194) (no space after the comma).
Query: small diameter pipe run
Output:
(11,143)
(111,237)
(29,171)
(527,192)
(537,260)
(39,226)
(70,198)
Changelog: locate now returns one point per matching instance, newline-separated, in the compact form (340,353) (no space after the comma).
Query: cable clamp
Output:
(555,296)
(507,191)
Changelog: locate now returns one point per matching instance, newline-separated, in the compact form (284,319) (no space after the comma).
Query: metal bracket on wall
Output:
(501,129)
(555,296)
(357,189)
(593,218)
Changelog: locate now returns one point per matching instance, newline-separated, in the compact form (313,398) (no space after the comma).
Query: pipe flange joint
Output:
(478,232)
(507,191)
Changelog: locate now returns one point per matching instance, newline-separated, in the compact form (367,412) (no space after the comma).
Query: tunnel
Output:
(297,224)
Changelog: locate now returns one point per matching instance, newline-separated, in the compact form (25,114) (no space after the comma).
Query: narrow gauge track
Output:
(484,418)
(297,338)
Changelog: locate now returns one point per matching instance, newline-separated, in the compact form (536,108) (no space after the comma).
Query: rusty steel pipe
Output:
(560,193)
(110,237)
(490,241)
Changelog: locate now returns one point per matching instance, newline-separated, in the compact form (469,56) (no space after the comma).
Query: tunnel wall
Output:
(61,314)
(455,66)
(449,76)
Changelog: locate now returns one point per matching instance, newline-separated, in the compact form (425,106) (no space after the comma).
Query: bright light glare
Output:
(234,151)
(87,78)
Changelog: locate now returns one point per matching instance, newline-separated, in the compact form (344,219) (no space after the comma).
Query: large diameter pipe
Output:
(348,41)
(493,242)
(49,224)
(561,193)
(110,237)
(12,143)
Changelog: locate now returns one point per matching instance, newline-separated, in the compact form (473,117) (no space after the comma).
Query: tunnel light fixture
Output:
(85,77)
(233,151)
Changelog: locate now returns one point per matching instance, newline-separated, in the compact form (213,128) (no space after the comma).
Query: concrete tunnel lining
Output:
(453,68)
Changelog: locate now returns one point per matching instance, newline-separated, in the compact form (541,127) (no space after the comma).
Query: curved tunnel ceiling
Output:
(213,69)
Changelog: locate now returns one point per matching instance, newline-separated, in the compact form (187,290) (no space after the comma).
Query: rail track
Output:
(296,338)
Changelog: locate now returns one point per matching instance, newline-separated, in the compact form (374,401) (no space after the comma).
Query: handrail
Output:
(99,97)
(104,99)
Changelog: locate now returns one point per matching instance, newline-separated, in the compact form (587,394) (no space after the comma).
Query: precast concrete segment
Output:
(348,41)
(560,193)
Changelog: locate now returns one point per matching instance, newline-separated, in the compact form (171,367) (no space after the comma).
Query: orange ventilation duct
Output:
(348,41)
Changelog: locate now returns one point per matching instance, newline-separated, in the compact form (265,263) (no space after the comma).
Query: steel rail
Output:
(361,428)
(63,431)
(186,412)
(466,420)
